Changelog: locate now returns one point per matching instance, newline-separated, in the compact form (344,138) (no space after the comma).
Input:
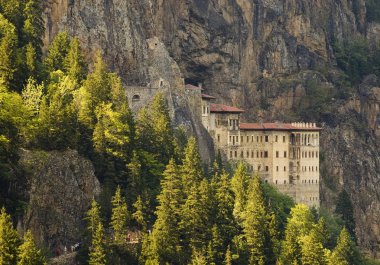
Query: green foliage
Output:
(57,53)
(56,125)
(300,223)
(97,250)
(29,254)
(120,217)
(34,29)
(32,96)
(191,170)
(74,63)
(165,237)
(9,240)
(239,185)
(356,58)
(93,217)
(256,225)
(8,46)
(345,210)
(373,10)
(345,252)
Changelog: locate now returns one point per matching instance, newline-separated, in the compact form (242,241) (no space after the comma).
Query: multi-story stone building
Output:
(286,155)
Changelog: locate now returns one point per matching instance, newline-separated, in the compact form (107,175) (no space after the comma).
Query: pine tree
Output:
(12,10)
(228,258)
(120,216)
(195,216)
(198,257)
(93,217)
(57,121)
(256,224)
(135,181)
(165,236)
(34,25)
(32,96)
(74,63)
(163,131)
(191,166)
(9,240)
(239,185)
(29,254)
(57,53)
(300,223)
(32,65)
(8,45)
(345,210)
(312,250)
(140,213)
(345,252)
(224,199)
(113,131)
(97,252)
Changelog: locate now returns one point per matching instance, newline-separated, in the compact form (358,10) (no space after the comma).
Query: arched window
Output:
(136,98)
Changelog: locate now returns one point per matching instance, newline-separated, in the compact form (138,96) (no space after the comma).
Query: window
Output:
(284,168)
(241,139)
(257,154)
(136,98)
(261,139)
(277,168)
(252,154)
(266,138)
(261,154)
(257,138)
(242,154)
(230,154)
(266,168)
(276,181)
(266,154)
(252,139)
(276,138)
(285,154)
(247,154)
(258,168)
(219,138)
(284,139)
(247,139)
(235,154)
(284,181)
(277,154)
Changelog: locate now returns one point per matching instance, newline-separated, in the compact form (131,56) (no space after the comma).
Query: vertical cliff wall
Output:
(257,54)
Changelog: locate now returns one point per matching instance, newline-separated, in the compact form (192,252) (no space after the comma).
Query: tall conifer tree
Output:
(9,240)
(29,254)
(120,216)
(97,251)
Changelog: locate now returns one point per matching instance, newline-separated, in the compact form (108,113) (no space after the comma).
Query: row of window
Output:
(310,154)
(309,169)
(248,154)
(205,110)
(260,138)
(303,182)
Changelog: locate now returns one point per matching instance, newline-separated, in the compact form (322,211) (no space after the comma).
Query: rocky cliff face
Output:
(62,185)
(257,54)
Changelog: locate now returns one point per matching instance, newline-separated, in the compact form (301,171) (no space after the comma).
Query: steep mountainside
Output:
(263,55)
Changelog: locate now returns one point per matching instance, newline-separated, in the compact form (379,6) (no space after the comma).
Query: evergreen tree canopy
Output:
(239,185)
(345,252)
(8,46)
(256,224)
(34,25)
(191,166)
(120,216)
(57,53)
(9,240)
(29,254)
(74,63)
(93,217)
(345,210)
(97,251)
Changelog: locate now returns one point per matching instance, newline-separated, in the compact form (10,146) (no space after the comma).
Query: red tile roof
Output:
(276,127)
(204,96)
(220,108)
(192,87)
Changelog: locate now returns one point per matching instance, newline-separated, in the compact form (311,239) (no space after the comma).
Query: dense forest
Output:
(154,183)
